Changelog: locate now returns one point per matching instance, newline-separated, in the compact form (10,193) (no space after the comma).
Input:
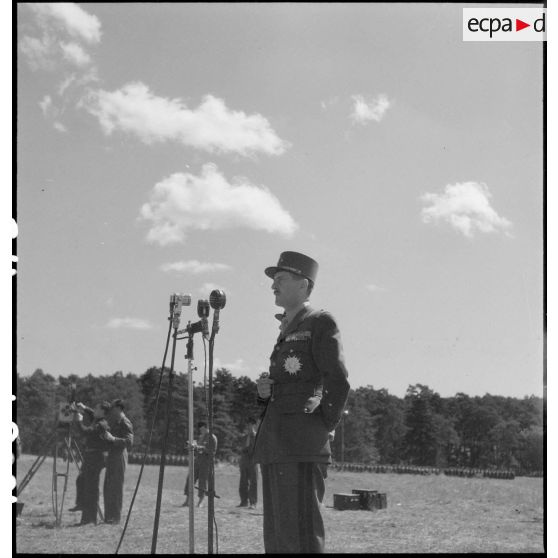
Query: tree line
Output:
(422,428)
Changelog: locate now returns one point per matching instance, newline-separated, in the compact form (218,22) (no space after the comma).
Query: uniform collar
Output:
(293,324)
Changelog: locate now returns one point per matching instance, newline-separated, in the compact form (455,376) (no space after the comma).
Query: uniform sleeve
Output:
(102,430)
(125,438)
(327,352)
(87,412)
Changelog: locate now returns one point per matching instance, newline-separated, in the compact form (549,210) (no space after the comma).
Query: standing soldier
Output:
(248,486)
(113,488)
(97,439)
(204,448)
(304,397)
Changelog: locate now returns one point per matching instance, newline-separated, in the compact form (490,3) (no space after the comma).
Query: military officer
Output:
(122,430)
(304,397)
(204,451)
(248,485)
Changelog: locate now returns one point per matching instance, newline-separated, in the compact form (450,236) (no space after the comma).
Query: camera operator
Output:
(97,440)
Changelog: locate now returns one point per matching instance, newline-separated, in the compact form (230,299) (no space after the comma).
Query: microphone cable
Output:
(148,447)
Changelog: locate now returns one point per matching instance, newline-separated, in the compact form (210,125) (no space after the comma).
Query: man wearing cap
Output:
(248,485)
(205,448)
(113,488)
(304,396)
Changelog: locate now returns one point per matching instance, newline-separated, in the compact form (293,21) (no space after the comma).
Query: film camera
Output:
(66,413)
(66,410)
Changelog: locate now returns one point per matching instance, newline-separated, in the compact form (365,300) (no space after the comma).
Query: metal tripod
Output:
(61,436)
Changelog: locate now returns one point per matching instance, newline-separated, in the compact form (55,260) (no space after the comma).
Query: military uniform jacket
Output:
(123,433)
(96,433)
(308,369)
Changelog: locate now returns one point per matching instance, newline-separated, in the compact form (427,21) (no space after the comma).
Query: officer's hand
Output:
(331,435)
(79,417)
(264,387)
(80,406)
(110,437)
(312,404)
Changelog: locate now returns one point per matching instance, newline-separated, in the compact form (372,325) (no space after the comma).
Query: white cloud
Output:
(61,30)
(75,54)
(211,126)
(236,366)
(194,266)
(74,20)
(58,126)
(46,104)
(367,110)
(38,52)
(209,202)
(128,323)
(374,288)
(466,207)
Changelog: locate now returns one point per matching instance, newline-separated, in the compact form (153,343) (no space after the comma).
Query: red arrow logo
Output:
(519,25)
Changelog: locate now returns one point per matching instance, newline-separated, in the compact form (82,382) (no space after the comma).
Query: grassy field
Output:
(427,514)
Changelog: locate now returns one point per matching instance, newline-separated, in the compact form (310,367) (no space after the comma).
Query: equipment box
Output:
(371,499)
(346,501)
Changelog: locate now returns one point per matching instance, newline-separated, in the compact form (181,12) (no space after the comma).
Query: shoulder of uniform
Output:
(325,319)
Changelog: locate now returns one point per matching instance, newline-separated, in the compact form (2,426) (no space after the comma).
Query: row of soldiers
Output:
(486,473)
(108,435)
(418,470)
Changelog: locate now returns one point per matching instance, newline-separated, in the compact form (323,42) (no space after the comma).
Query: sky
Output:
(182,147)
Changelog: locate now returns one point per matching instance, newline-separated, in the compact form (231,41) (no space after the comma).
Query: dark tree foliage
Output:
(354,437)
(422,428)
(420,418)
(36,410)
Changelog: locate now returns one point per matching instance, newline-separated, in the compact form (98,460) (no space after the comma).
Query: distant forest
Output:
(422,428)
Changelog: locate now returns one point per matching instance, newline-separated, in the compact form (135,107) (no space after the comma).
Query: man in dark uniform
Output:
(113,487)
(204,448)
(304,396)
(97,439)
(248,486)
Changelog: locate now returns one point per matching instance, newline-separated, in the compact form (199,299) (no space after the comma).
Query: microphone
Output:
(203,313)
(217,300)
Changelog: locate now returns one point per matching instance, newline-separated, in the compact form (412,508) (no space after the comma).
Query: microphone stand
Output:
(211,476)
(190,357)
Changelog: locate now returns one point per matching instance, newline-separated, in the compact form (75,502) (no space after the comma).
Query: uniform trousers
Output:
(292,497)
(79,490)
(94,461)
(248,486)
(201,475)
(113,487)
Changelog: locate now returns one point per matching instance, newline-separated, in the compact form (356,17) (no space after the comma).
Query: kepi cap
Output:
(295,262)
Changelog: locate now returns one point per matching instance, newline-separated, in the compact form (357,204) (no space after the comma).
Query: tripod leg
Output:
(35,466)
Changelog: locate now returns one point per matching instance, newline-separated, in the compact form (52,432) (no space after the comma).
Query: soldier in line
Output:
(117,458)
(248,485)
(304,397)
(97,440)
(204,448)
